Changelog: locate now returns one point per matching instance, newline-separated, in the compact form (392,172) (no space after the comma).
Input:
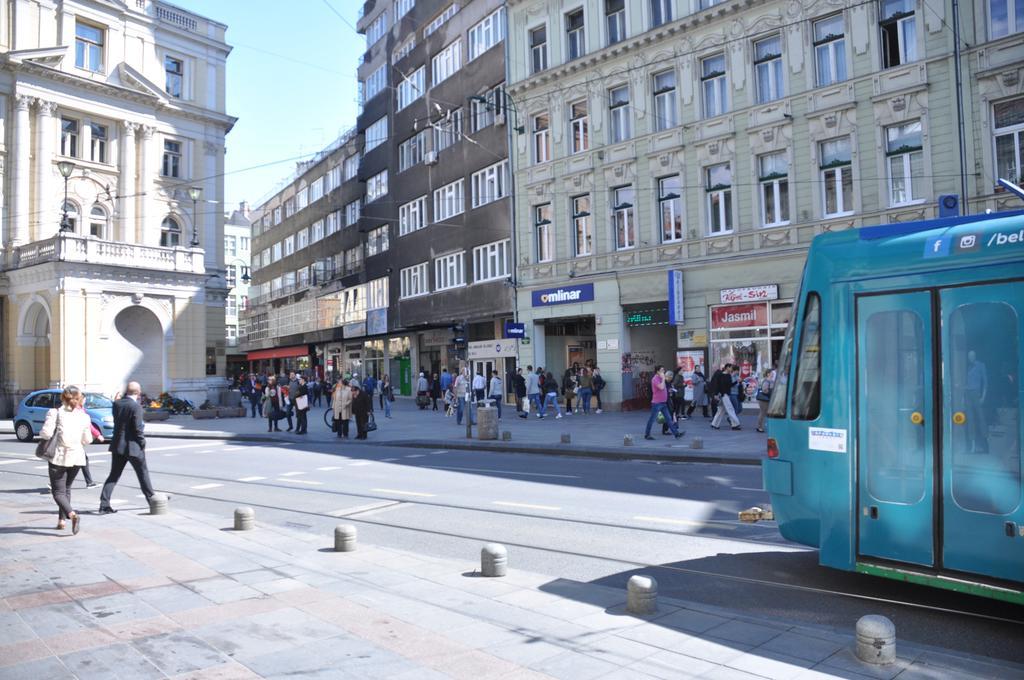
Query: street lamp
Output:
(65,168)
(194,193)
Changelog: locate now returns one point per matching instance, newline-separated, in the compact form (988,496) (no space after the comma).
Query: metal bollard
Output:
(566,438)
(506,436)
(876,640)
(697,443)
(493,560)
(158,504)
(641,595)
(244,519)
(627,440)
(344,538)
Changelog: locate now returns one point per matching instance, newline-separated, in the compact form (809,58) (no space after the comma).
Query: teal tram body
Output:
(895,424)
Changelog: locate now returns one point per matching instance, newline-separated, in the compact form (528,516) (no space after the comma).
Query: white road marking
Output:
(41,467)
(329,468)
(531,506)
(208,451)
(179,446)
(434,453)
(141,495)
(169,455)
(505,472)
(251,479)
(234,448)
(363,508)
(388,460)
(360,463)
(745,488)
(291,474)
(11,462)
(203,487)
(118,501)
(404,493)
(98,453)
(416,455)
(685,522)
(300,481)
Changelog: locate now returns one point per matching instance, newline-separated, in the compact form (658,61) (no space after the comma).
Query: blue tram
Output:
(895,433)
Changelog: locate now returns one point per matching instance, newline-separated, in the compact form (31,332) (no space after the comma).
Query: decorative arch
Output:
(171,230)
(34,321)
(115,305)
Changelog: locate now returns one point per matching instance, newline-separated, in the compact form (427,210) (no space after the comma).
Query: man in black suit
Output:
(128,445)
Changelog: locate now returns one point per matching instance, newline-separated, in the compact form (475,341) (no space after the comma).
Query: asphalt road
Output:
(580,519)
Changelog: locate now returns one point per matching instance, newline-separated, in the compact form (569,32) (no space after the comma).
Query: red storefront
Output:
(280,360)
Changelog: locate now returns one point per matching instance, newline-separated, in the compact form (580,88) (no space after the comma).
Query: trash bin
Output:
(486,420)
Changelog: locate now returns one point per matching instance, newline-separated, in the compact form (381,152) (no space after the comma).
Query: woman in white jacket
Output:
(71,425)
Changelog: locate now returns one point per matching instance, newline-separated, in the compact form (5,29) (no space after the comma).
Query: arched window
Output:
(170,232)
(72,212)
(98,222)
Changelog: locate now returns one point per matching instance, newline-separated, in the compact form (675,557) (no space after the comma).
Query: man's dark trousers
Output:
(127,445)
(117,464)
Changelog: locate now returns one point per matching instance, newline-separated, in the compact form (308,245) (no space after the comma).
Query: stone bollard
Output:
(493,560)
(158,504)
(627,440)
(344,538)
(641,595)
(566,438)
(506,436)
(697,443)
(244,519)
(876,640)
(486,422)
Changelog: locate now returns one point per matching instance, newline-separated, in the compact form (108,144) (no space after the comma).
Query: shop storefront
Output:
(281,360)
(487,356)
(748,330)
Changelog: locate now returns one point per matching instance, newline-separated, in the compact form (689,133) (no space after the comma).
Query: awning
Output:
(279,353)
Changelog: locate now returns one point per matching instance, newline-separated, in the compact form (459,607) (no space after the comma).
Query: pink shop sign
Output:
(751,294)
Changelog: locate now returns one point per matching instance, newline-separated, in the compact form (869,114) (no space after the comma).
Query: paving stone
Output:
(769,665)
(616,650)
(251,576)
(176,653)
(526,652)
(844,659)
(49,668)
(724,673)
(225,671)
(480,635)
(573,666)
(952,662)
(747,633)
(801,647)
(324,659)
(172,598)
(118,608)
(671,666)
(53,619)
(265,633)
(13,629)
(710,649)
(690,621)
(113,661)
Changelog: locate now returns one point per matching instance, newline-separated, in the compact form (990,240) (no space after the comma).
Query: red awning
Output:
(279,353)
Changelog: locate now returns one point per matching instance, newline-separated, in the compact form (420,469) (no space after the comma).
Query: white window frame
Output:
(900,162)
(412,216)
(376,30)
(543,227)
(769,81)
(450,271)
(671,208)
(377,186)
(575,37)
(541,131)
(619,118)
(905,29)
(316,231)
(579,126)
(487,33)
(538,51)
(447,130)
(491,261)
(440,19)
(834,174)
(449,200)
(1014,23)
(666,104)
(582,224)
(489,184)
(775,184)
(446,63)
(352,212)
(302,239)
(410,152)
(830,49)
(376,134)
(714,85)
(1014,133)
(615,23)
(661,12)
(412,281)
(377,241)
(316,189)
(375,83)
(624,217)
(411,87)
(719,201)
(86,46)
(289,245)
(351,167)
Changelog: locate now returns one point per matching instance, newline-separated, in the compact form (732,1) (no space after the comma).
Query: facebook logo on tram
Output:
(937,246)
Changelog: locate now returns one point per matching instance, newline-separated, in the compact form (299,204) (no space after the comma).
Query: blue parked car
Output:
(28,421)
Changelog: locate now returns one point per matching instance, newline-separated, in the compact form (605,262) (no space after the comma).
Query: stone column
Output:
(46,222)
(18,217)
(150,219)
(126,184)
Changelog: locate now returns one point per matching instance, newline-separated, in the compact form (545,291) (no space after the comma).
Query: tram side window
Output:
(807,381)
(777,401)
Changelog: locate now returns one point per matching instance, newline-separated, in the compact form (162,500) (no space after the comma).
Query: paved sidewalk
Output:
(594,435)
(182,596)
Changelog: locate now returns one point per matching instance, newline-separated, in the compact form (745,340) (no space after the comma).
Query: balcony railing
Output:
(90,250)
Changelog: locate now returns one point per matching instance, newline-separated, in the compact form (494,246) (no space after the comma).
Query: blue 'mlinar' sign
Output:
(563,295)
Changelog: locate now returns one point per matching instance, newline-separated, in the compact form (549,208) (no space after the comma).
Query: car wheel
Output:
(23,431)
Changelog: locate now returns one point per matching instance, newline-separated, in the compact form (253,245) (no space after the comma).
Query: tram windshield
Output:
(777,401)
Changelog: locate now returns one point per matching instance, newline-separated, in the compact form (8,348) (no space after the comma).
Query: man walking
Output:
(127,445)
(293,389)
(495,391)
(519,387)
(659,399)
(533,389)
(721,384)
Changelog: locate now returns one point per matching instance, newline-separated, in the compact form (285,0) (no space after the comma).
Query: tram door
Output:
(895,429)
(982,364)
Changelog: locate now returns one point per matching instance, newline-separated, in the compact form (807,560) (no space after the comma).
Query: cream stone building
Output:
(112,126)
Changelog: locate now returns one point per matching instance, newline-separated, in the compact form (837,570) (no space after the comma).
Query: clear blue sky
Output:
(291,81)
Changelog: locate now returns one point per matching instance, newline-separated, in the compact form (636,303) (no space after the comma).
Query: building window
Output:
(1005,17)
(624,222)
(446,63)
(539,48)
(450,271)
(334,219)
(773,174)
(289,207)
(98,143)
(490,184)
(277,216)
(618,113)
(449,201)
(487,33)
(316,189)
(353,260)
(231,307)
(231,275)
(481,113)
(412,281)
(661,12)
(170,233)
(377,241)
(670,208)
(69,137)
(412,216)
(172,159)
(376,134)
(615,20)
(289,245)
(316,233)
(439,20)
(174,76)
(768,69)
(351,167)
(377,186)
(410,152)
(276,251)
(230,246)
(904,161)
(88,47)
(899,39)
(666,112)
(447,130)
(718,185)
(582,232)
(829,50)
(72,212)
(403,7)
(375,84)
(411,87)
(375,31)
(302,239)
(243,243)
(302,197)
(574,35)
(98,222)
(351,213)
(837,176)
(713,86)
(1008,121)
(543,229)
(490,261)
(541,138)
(579,126)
